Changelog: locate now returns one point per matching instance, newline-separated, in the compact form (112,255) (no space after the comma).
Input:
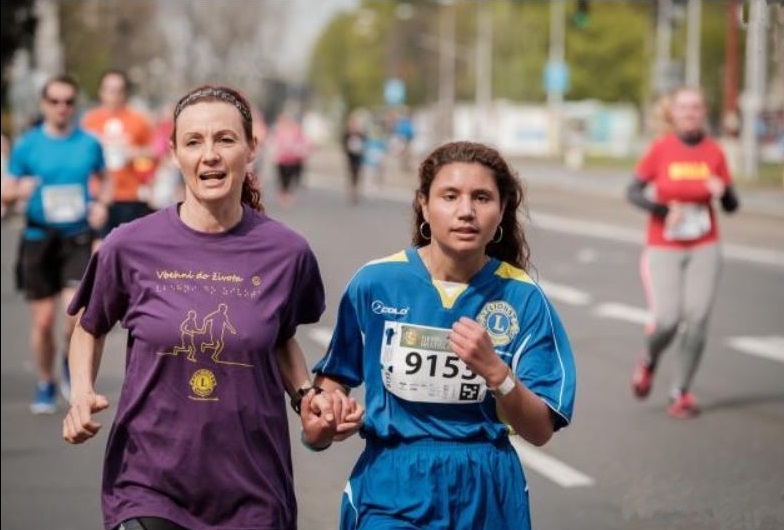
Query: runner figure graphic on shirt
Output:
(189,329)
(215,324)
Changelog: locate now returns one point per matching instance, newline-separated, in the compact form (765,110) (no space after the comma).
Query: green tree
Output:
(101,35)
(520,47)
(608,57)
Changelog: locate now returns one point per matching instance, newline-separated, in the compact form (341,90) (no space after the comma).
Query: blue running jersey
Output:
(64,166)
(391,334)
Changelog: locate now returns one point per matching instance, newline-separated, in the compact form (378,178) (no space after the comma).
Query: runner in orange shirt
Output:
(126,136)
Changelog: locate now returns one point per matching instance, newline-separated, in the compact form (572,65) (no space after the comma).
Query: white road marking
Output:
(564,293)
(770,347)
(584,227)
(625,312)
(548,466)
(765,256)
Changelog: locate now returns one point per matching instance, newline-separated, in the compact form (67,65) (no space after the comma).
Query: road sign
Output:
(394,91)
(556,77)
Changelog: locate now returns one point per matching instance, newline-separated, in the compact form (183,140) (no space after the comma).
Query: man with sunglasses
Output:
(50,170)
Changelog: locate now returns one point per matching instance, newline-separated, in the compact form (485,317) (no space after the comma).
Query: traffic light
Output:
(580,16)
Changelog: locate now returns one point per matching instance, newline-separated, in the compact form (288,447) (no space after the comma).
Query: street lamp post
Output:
(662,73)
(556,62)
(751,100)
(446,70)
(693,43)
(483,67)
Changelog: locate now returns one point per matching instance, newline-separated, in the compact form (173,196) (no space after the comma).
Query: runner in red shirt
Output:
(681,262)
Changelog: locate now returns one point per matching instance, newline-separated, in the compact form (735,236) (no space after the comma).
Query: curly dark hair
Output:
(513,247)
(251,191)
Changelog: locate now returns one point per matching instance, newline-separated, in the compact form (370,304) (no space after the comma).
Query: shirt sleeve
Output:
(646,167)
(546,366)
(635,193)
(343,360)
(100,163)
(102,292)
(17,161)
(722,169)
(307,299)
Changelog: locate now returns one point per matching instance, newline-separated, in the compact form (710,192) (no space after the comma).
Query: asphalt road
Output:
(621,465)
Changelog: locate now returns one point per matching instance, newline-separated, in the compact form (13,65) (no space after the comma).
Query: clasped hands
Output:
(329,416)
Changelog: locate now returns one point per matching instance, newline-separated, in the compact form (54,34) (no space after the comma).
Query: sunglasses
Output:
(67,102)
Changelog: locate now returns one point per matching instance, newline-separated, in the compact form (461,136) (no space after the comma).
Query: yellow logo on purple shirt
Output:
(203,383)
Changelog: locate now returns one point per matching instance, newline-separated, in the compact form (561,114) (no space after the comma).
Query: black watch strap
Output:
(296,399)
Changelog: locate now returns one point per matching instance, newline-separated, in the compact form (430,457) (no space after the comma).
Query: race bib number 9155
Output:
(417,365)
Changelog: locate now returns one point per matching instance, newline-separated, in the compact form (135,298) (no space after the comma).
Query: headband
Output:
(213,93)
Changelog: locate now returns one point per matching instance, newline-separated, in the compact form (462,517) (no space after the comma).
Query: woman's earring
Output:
(422,227)
(499,236)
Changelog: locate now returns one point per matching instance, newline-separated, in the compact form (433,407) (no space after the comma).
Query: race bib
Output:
(417,365)
(115,156)
(115,149)
(695,222)
(64,203)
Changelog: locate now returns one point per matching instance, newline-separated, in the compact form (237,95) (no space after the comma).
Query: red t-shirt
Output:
(679,172)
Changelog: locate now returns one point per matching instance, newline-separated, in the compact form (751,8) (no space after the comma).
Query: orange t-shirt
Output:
(122,135)
(679,172)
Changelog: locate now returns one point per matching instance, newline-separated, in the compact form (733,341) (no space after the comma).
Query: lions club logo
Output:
(203,383)
(500,321)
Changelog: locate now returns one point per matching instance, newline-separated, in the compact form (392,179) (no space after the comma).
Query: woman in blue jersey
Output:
(458,349)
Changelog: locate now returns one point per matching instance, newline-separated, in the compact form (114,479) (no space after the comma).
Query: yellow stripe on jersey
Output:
(511,272)
(449,292)
(398,256)
(502,418)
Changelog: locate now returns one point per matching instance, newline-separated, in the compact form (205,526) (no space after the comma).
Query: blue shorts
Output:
(436,485)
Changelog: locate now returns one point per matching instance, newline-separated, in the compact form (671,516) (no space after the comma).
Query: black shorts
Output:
(123,212)
(46,266)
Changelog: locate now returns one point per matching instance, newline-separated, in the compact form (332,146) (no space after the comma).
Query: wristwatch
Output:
(296,399)
(506,386)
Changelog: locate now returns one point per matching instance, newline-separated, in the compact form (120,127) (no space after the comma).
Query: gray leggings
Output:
(681,286)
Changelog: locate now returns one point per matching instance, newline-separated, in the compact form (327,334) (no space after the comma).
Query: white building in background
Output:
(526,130)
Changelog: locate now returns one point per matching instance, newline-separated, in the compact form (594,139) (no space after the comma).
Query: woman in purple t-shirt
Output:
(211,292)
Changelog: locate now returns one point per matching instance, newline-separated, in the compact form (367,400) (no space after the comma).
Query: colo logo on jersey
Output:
(500,321)
(379,308)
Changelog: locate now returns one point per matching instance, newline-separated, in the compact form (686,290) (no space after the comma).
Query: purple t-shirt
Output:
(201,435)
